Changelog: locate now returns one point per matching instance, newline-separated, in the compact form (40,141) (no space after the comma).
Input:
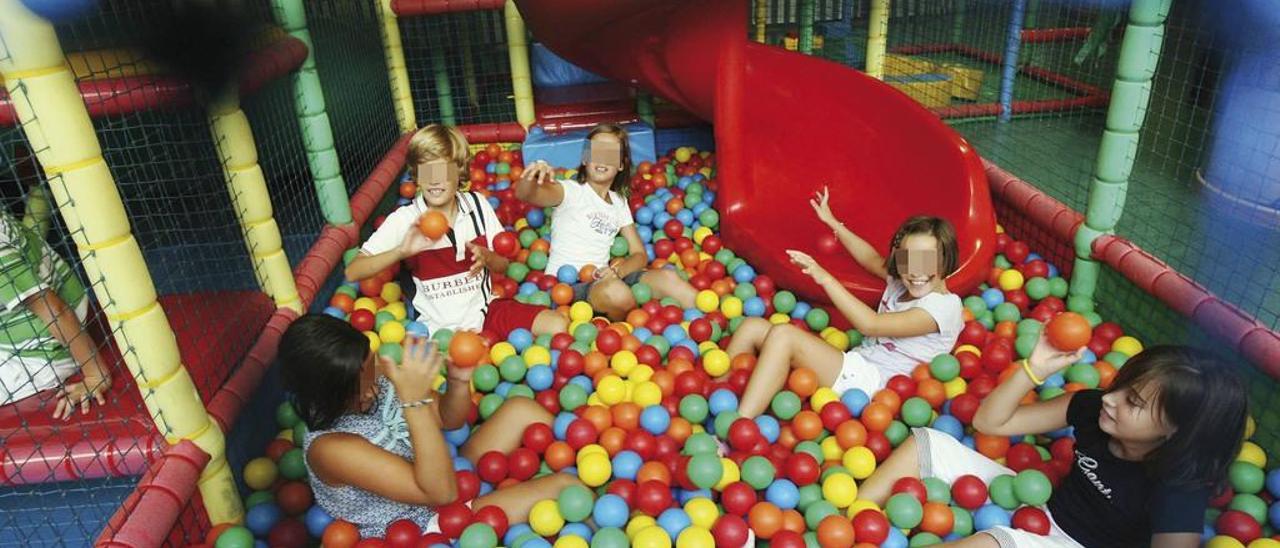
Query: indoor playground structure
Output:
(1119,159)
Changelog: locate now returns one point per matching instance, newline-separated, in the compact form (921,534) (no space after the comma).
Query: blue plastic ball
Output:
(655,419)
(950,425)
(722,400)
(417,328)
(993,297)
(535,217)
(561,424)
(317,520)
(520,338)
(626,464)
(674,333)
(769,427)
(783,493)
(896,539)
(990,516)
(335,312)
(262,517)
(567,274)
(801,310)
(855,399)
(744,274)
(539,377)
(515,531)
(457,436)
(644,216)
(685,217)
(753,307)
(580,530)
(674,520)
(610,511)
(1273,482)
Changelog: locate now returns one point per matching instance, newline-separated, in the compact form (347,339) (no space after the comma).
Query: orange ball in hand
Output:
(466,349)
(1069,331)
(433,224)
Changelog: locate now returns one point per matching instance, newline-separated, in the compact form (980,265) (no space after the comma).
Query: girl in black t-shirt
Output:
(1149,451)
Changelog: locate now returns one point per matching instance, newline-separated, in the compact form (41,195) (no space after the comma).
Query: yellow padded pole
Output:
(57,125)
(238,152)
(397,74)
(877,38)
(762,19)
(518,55)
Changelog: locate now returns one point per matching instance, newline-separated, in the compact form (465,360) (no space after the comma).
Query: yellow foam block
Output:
(898,64)
(930,90)
(966,82)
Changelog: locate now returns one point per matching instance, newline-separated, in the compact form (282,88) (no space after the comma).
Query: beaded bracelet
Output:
(424,401)
(1026,366)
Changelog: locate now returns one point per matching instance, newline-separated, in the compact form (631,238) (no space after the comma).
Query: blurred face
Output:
(368,385)
(438,181)
(919,254)
(1128,415)
(604,158)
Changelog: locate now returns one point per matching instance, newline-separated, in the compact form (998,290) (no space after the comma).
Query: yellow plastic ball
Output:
(260,473)
(651,537)
(637,524)
(716,362)
(831,449)
(683,154)
(1250,426)
(969,348)
(731,474)
(623,362)
(731,307)
(837,339)
(571,542)
(286,434)
(1223,541)
(778,318)
(860,505)
(840,490)
(1010,280)
(955,387)
(1252,454)
(591,449)
(365,303)
(646,393)
(391,333)
(581,311)
(641,373)
(707,300)
(702,512)
(701,234)
(374,341)
(545,518)
(859,461)
(1265,542)
(611,390)
(536,355)
(706,346)
(391,292)
(397,310)
(595,469)
(501,351)
(822,397)
(594,399)
(1127,345)
(437,382)
(695,537)
(521,224)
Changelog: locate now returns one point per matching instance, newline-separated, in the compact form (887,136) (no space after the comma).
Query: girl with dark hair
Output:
(1150,450)
(590,212)
(917,317)
(376,451)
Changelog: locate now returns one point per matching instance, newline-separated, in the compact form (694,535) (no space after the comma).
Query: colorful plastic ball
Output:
(839,489)
(610,511)
(260,473)
(317,520)
(871,526)
(989,516)
(235,537)
(702,512)
(969,492)
(340,534)
(595,469)
(545,518)
(261,518)
(1245,477)
(652,497)
(1032,487)
(575,503)
(904,510)
(705,470)
(673,521)
(652,536)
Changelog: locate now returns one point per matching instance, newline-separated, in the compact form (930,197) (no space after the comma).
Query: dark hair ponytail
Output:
(320,361)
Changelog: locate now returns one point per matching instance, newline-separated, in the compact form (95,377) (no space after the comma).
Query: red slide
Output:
(785,125)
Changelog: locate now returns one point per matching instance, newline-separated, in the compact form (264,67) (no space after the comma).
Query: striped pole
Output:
(56,123)
(238,152)
(877,38)
(313,119)
(518,55)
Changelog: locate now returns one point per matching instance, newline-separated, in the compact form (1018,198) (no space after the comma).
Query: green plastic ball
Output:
(855,337)
(809,495)
(442,337)
(1030,326)
(1001,492)
(381,318)
(235,537)
(575,502)
(975,304)
(785,405)
(897,433)
(1250,504)
(486,378)
(1083,373)
(693,408)
(258,497)
(705,470)
(537,260)
(620,247)
(610,537)
(723,422)
(937,490)
(489,405)
(1037,288)
(709,218)
(963,525)
(1058,287)
(924,538)
(916,412)
(1024,344)
(299,433)
(724,256)
(944,367)
(758,472)
(585,332)
(641,292)
(817,319)
(520,391)
(527,237)
(816,512)
(1245,477)
(904,511)
(517,271)
(391,351)
(812,448)
(1117,359)
(572,397)
(744,291)
(1032,487)
(292,465)
(350,255)
(784,301)
(286,415)
(513,368)
(478,535)
(1007,312)
(1003,263)
(699,444)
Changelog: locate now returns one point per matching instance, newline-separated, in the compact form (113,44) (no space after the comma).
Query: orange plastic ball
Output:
(433,224)
(851,434)
(807,425)
(992,447)
(1069,331)
(560,455)
(803,381)
(561,294)
(938,519)
(877,417)
(653,470)
(835,532)
(466,349)
(765,519)
(626,415)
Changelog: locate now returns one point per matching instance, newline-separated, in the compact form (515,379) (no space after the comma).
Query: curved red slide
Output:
(785,125)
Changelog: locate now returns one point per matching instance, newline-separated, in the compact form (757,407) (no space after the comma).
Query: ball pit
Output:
(640,403)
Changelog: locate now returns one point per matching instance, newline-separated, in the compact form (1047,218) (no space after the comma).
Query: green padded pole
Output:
(644,106)
(806,27)
(444,92)
(313,119)
(1139,55)
(469,64)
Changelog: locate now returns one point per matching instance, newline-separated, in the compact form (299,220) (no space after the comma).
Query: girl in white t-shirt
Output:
(916,320)
(590,212)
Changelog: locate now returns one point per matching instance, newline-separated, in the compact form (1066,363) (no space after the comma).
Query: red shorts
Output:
(506,315)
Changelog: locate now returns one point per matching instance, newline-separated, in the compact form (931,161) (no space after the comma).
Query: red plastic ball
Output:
(1017,252)
(973,333)
(288,533)
(730,530)
(506,243)
(743,434)
(879,445)
(802,468)
(1031,519)
(468,485)
(537,437)
(712,244)
(362,320)
(969,492)
(787,539)
(652,497)
(453,519)
(581,433)
(699,330)
(277,448)
(1022,456)
(492,467)
(340,534)
(738,498)
(997,356)
(522,463)
(913,487)
(964,407)
(609,342)
(623,488)
(833,416)
(903,385)
(494,517)
(294,497)
(870,526)
(402,533)
(1238,525)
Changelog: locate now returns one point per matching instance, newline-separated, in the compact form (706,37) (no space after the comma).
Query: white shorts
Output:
(22,377)
(944,457)
(857,372)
